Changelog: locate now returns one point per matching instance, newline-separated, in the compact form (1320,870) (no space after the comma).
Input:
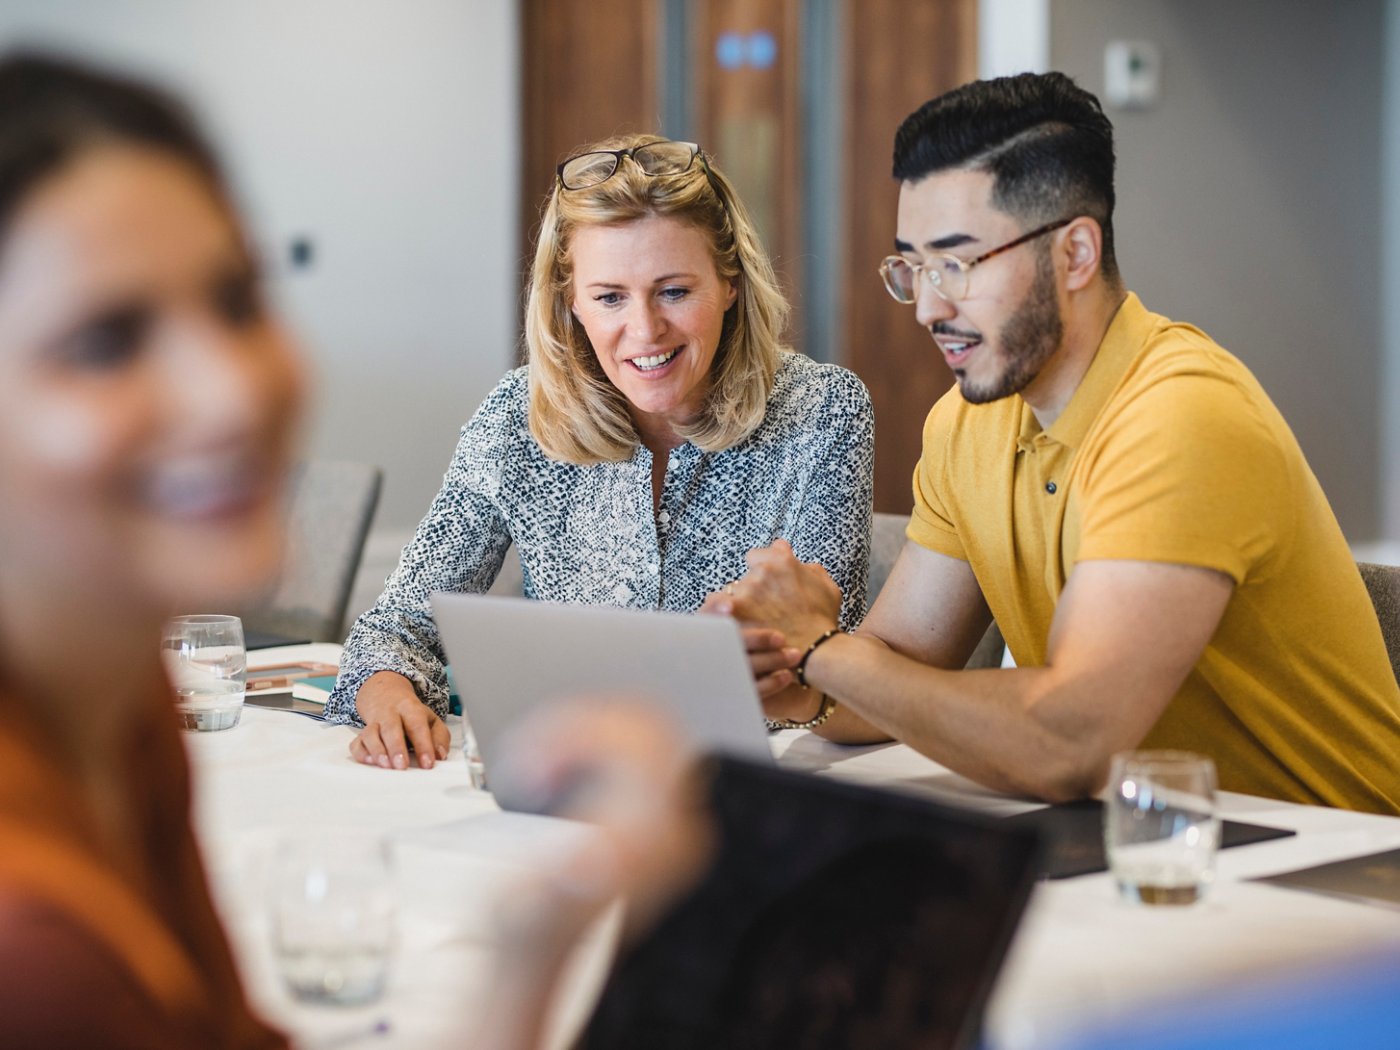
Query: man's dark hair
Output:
(1044,140)
(54,109)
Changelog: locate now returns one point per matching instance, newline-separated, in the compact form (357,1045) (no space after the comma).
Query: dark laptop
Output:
(833,915)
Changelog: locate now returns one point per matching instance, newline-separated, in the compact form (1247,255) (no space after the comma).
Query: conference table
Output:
(1082,958)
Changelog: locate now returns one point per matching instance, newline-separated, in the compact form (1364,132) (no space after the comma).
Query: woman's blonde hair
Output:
(576,414)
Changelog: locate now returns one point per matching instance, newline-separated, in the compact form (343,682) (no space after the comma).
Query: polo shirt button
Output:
(1050,487)
(664,517)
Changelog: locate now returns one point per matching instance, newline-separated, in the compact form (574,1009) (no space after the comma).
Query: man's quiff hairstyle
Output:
(1044,140)
(576,414)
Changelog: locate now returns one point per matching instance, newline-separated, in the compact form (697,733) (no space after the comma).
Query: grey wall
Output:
(1249,202)
(386,131)
(1390,282)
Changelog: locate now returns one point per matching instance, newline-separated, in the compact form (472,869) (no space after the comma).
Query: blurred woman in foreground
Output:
(147,399)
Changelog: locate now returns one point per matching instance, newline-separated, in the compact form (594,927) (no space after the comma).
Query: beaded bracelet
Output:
(800,671)
(828,705)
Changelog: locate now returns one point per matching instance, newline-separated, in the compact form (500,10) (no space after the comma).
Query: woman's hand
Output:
(395,722)
(770,658)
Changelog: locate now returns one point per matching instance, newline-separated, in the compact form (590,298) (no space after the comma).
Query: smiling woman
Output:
(653,307)
(658,434)
(146,402)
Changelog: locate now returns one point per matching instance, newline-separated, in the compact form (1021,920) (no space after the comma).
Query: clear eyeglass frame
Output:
(947,274)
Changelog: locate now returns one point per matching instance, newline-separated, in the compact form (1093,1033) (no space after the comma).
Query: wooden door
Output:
(588,71)
(591,69)
(746,98)
(899,54)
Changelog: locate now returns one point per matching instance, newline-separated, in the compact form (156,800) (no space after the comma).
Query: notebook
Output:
(514,655)
(833,915)
(1372,879)
(299,685)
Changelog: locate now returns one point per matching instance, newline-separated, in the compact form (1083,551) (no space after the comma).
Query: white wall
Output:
(386,131)
(1013,36)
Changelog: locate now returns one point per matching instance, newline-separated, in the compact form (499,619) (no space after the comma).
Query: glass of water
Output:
(476,767)
(333,917)
(1161,828)
(207,664)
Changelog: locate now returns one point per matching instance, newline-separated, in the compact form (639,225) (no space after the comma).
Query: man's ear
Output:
(1081,243)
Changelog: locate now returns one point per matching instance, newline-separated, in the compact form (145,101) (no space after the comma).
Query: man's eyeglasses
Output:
(654,158)
(946,274)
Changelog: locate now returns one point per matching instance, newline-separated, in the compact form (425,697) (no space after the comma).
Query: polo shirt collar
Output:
(1121,344)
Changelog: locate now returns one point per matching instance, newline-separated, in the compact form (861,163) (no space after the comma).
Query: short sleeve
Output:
(931,525)
(1188,471)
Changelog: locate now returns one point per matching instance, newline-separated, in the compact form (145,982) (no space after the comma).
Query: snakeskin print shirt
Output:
(588,534)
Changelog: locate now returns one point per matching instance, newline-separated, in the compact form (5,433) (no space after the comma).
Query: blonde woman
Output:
(659,432)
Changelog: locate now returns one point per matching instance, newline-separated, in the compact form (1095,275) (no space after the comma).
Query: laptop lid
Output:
(509,656)
(834,915)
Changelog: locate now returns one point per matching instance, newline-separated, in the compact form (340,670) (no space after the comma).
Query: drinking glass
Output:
(333,916)
(471,751)
(207,664)
(1161,829)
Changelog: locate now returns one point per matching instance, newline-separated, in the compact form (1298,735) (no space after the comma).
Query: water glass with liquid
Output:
(1161,827)
(207,664)
(333,908)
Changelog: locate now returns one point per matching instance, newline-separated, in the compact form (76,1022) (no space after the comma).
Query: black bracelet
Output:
(800,671)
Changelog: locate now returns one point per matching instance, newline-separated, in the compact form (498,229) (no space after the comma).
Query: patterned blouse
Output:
(588,534)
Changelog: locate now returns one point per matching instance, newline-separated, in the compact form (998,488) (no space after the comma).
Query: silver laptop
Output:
(510,656)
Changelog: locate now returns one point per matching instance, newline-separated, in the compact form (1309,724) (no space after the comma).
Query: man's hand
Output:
(395,721)
(799,600)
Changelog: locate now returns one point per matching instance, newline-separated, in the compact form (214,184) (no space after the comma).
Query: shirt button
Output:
(1050,487)
(670,464)
(664,517)
(652,569)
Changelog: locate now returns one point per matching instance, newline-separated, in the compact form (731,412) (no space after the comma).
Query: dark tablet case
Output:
(1073,834)
(914,952)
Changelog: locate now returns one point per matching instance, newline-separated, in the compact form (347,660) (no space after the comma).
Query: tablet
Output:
(511,656)
(833,916)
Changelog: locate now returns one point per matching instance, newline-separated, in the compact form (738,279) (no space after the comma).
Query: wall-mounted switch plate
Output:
(1132,74)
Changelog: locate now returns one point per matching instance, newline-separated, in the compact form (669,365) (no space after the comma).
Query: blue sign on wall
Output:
(757,50)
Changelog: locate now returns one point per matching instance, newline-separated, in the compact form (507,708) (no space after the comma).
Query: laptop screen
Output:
(832,916)
(693,668)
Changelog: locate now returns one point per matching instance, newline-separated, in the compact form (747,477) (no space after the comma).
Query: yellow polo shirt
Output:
(1170,451)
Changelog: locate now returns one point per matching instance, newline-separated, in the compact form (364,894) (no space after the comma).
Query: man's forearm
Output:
(988,725)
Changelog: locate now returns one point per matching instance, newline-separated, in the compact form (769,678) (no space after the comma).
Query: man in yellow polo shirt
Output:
(1114,488)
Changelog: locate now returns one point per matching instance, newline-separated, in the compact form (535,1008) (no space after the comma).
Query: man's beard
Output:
(1027,341)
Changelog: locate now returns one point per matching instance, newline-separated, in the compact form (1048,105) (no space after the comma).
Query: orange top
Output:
(94,954)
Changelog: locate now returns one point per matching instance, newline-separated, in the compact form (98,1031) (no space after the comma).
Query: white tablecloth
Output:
(1081,957)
